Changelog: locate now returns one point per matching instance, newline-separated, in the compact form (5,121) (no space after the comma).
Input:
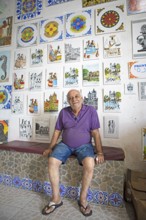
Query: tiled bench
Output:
(22,165)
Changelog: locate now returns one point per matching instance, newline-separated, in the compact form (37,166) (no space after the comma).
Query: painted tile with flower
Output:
(51,29)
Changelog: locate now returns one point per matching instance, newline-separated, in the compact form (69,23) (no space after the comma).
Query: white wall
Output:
(132,117)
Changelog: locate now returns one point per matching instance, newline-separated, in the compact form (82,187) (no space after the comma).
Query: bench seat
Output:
(110,153)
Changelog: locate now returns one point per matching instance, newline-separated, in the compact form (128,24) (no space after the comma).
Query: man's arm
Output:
(53,142)
(98,145)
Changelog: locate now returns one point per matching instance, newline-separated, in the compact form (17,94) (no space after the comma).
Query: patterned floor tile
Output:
(7,212)
(19,204)
(37,203)
(15,197)
(25,214)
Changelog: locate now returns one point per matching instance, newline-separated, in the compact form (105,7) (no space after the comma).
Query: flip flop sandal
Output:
(52,206)
(83,209)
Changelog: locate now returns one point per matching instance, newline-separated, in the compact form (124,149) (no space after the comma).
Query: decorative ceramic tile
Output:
(35,79)
(47,188)
(71,75)
(112,46)
(111,127)
(19,80)
(110,20)
(89,3)
(101,197)
(91,96)
(72,192)
(52,101)
(137,69)
(6,31)
(37,186)
(56,2)
(17,106)
(90,195)
(7,180)
(55,52)
(5,96)
(112,72)
(36,56)
(78,24)
(27,183)
(62,190)
(91,48)
(53,79)
(142,91)
(130,88)
(5,57)
(30,9)
(42,129)
(112,100)
(34,104)
(20,59)
(138,39)
(1,179)
(91,74)
(72,51)
(17,182)
(27,35)
(25,128)
(115,199)
(4,131)
(51,29)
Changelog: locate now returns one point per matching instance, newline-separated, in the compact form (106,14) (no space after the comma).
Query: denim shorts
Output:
(61,152)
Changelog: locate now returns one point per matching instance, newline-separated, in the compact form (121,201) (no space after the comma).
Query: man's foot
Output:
(86,211)
(48,209)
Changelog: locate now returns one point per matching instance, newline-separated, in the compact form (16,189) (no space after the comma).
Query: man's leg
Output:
(53,169)
(58,156)
(88,169)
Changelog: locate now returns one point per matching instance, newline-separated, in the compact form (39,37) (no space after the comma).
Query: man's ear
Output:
(82,99)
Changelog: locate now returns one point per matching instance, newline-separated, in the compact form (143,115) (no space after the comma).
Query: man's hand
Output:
(99,159)
(47,152)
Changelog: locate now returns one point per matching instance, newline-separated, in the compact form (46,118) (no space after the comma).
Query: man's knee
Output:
(52,161)
(88,163)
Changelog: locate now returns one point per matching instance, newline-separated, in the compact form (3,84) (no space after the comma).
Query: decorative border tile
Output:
(7,180)
(56,2)
(72,192)
(26,10)
(115,200)
(94,196)
(100,198)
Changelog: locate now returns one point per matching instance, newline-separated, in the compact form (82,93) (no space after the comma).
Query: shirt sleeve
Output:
(95,124)
(59,123)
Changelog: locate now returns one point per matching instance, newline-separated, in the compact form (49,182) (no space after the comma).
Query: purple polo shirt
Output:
(76,131)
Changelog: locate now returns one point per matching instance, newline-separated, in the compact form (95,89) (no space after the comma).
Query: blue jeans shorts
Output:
(61,152)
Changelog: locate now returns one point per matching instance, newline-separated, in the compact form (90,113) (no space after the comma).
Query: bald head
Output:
(75,99)
(73,91)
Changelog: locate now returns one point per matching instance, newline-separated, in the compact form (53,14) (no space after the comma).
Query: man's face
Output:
(75,99)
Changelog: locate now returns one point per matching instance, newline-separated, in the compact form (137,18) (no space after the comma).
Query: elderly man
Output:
(78,124)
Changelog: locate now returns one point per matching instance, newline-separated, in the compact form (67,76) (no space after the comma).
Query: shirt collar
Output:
(82,109)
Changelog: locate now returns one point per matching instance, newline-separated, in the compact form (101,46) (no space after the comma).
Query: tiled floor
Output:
(19,204)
